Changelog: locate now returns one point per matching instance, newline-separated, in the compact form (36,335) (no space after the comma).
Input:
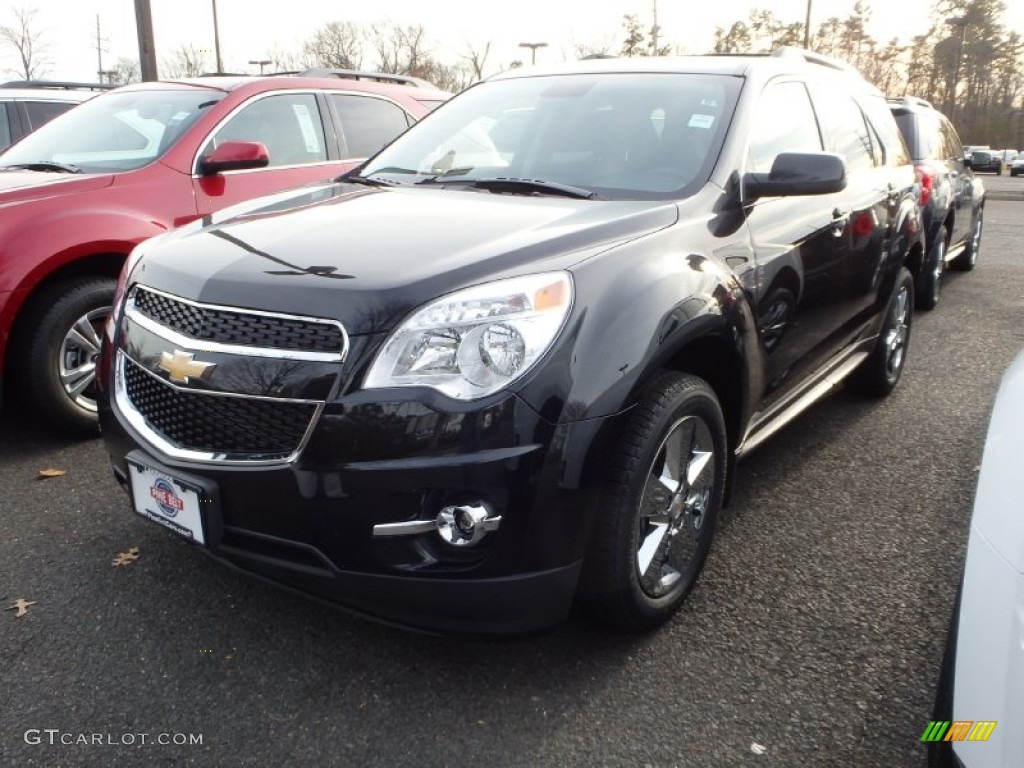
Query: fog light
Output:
(466,525)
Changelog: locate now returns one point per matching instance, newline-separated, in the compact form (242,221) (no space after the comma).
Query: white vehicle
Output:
(1017,166)
(980,690)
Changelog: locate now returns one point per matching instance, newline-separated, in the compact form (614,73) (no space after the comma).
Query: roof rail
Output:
(914,100)
(352,74)
(790,52)
(58,85)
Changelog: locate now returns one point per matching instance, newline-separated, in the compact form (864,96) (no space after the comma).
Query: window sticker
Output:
(306,125)
(701,121)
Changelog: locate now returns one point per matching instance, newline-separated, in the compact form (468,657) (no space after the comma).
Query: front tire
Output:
(657,515)
(881,372)
(57,348)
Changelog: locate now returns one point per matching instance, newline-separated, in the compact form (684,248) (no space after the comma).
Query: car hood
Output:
(369,256)
(17,185)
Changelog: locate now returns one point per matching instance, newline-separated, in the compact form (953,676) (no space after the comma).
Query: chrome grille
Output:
(237,327)
(217,424)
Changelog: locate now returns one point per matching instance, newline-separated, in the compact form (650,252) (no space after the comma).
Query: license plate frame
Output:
(169,500)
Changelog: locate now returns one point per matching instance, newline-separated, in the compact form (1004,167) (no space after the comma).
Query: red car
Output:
(78,194)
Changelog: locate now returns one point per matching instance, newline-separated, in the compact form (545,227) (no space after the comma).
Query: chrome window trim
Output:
(138,422)
(195,344)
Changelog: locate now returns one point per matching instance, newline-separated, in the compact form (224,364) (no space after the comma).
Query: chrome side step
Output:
(829,382)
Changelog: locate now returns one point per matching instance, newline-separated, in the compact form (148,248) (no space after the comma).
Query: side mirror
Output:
(234,156)
(798,173)
(967,162)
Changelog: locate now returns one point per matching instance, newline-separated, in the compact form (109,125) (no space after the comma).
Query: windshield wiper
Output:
(517,186)
(357,178)
(45,165)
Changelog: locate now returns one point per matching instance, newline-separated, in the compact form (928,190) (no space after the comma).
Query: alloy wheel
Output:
(674,506)
(79,352)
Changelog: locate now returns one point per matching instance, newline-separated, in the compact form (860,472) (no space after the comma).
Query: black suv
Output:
(511,360)
(952,198)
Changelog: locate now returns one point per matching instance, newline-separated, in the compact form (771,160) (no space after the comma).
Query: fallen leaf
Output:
(45,474)
(125,558)
(758,749)
(20,606)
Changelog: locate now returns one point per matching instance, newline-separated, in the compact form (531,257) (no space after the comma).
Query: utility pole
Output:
(216,38)
(99,50)
(147,51)
(807,28)
(654,31)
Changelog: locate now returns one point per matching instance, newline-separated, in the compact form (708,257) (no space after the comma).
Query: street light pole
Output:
(216,38)
(533,50)
(261,62)
(961,22)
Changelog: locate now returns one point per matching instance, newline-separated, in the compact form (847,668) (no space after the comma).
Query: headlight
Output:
(472,343)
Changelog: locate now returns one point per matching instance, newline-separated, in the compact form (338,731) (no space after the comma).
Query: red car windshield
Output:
(119,131)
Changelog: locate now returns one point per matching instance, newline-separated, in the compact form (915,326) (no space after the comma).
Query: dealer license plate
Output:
(166,500)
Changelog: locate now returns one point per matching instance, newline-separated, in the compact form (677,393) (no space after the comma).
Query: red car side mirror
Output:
(234,156)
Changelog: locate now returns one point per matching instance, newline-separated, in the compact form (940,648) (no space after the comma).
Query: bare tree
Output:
(338,44)
(289,61)
(27,40)
(400,49)
(125,71)
(476,58)
(185,61)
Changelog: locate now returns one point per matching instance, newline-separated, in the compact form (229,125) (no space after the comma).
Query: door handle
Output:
(839,221)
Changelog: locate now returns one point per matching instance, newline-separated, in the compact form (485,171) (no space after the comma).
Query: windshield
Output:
(119,131)
(621,136)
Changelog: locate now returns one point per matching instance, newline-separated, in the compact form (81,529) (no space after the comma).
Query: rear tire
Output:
(880,373)
(56,351)
(656,516)
(929,283)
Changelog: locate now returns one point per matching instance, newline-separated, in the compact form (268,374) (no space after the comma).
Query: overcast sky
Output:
(250,28)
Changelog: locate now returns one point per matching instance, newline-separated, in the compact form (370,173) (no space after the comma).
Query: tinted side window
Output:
(954,148)
(368,123)
(785,122)
(845,127)
(40,112)
(5,127)
(289,125)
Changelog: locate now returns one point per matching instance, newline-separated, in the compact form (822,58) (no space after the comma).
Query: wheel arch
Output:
(104,264)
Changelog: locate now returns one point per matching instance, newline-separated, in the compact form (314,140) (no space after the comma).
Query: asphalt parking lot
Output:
(815,632)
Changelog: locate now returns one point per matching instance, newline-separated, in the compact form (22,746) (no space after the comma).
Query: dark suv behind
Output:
(952,198)
(512,359)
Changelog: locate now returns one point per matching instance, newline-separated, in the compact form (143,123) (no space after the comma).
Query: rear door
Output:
(868,204)
(961,182)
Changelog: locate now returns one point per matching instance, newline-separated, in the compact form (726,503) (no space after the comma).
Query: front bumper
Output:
(308,524)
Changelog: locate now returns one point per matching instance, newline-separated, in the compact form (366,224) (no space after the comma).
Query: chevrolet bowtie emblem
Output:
(181,366)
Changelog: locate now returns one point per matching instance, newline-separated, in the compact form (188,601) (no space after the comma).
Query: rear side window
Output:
(785,122)
(368,123)
(40,112)
(5,127)
(907,123)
